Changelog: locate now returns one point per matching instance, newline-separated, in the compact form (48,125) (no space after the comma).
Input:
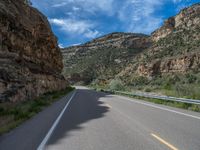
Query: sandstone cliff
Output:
(188,18)
(30,60)
(176,47)
(104,57)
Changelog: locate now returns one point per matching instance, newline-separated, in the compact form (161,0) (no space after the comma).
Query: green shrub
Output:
(2,110)
(191,78)
(116,85)
(147,89)
(169,81)
(167,86)
(187,90)
(139,80)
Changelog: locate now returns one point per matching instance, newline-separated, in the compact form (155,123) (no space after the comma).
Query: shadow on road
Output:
(84,107)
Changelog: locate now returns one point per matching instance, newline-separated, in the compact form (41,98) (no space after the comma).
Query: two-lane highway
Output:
(91,120)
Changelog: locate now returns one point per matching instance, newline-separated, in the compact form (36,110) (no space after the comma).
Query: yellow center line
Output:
(164,142)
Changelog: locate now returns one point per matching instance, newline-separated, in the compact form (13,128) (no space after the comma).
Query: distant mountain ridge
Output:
(104,56)
(172,53)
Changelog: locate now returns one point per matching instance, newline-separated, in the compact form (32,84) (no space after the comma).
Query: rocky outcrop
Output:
(104,56)
(166,29)
(176,46)
(110,41)
(119,40)
(182,64)
(188,18)
(30,59)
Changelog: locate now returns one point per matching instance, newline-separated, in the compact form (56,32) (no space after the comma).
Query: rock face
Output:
(188,18)
(119,40)
(166,29)
(182,64)
(176,46)
(103,57)
(30,60)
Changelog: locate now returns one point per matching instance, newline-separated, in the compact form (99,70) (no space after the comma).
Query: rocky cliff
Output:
(30,60)
(103,57)
(176,47)
(187,19)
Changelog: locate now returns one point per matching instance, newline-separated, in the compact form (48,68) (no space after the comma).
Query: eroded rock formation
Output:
(103,57)
(188,18)
(30,59)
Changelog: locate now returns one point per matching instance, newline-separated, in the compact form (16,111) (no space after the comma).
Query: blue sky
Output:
(78,21)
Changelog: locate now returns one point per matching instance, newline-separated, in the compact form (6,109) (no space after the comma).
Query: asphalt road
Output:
(89,120)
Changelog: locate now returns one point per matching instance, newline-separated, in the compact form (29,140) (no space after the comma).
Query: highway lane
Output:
(96,121)
(30,134)
(99,121)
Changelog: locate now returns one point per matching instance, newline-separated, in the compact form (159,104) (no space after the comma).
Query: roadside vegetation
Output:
(116,85)
(177,85)
(192,107)
(182,86)
(13,114)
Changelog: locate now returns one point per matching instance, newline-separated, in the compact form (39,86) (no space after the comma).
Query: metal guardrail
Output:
(166,98)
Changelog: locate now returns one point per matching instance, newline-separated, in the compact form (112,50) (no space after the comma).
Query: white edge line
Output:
(162,108)
(45,140)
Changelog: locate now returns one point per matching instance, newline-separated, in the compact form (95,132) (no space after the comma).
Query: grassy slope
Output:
(102,64)
(13,114)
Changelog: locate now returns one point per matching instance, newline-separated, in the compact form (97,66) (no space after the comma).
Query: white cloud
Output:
(59,22)
(140,15)
(72,26)
(87,5)
(92,34)
(104,5)
(59,4)
(147,26)
(177,1)
(75,8)
(76,44)
(84,19)
(61,45)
